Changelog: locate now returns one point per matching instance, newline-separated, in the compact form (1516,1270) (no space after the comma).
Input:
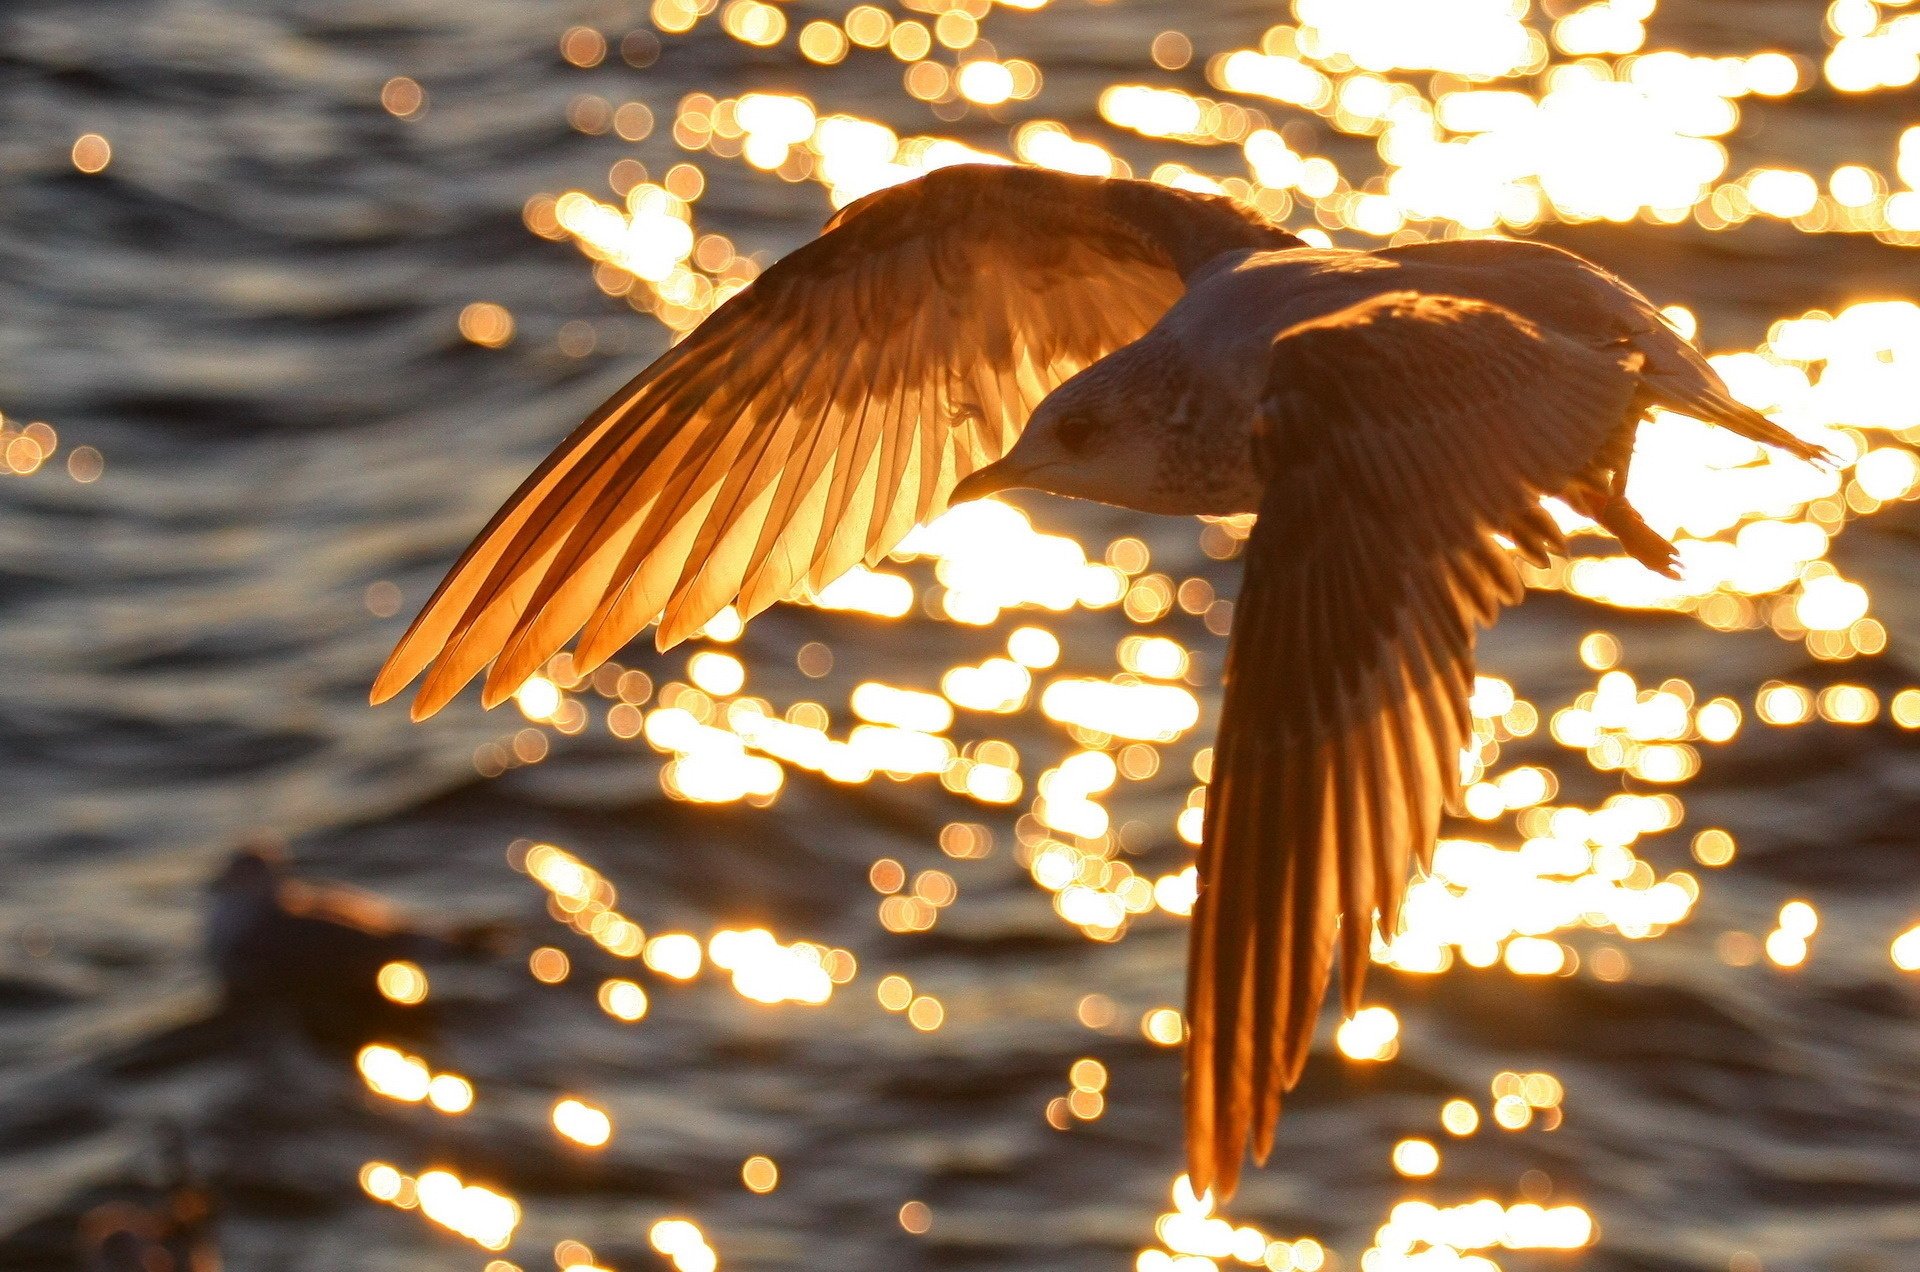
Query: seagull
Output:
(1393,416)
(286,947)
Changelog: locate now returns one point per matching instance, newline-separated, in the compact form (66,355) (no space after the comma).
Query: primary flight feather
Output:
(1394,417)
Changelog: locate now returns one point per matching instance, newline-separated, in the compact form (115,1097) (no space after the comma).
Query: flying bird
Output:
(1393,416)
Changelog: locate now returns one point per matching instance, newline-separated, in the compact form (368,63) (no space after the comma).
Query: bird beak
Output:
(991,480)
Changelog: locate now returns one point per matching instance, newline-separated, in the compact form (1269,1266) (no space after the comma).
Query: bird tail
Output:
(1699,392)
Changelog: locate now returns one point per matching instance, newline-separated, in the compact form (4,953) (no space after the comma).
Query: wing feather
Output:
(817,416)
(1569,294)
(1400,436)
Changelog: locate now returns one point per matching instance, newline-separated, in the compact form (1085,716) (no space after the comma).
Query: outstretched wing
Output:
(1399,436)
(817,416)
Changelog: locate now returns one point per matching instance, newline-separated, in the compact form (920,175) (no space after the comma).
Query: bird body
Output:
(1394,417)
(284,947)
(1184,399)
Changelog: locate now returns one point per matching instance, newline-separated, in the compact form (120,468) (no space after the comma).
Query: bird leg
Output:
(1601,495)
(1620,519)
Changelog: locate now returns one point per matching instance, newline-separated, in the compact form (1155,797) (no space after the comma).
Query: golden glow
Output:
(985,83)
(383,1183)
(1416,1158)
(675,955)
(1713,847)
(1459,1117)
(1479,39)
(1470,116)
(23,450)
(760,1174)
(1034,647)
(549,965)
(894,992)
(403,982)
(394,1074)
(92,153)
(1147,712)
(1164,1026)
(868,592)
(403,97)
(1906,708)
(721,675)
(904,708)
(538,698)
(623,1000)
(752,22)
(1372,1033)
(583,46)
(486,324)
(868,26)
(822,42)
(450,1093)
(684,1245)
(582,1123)
(1600,651)
(1875,51)
(926,1014)
(481,1215)
(1906,950)
(1195,1238)
(765,971)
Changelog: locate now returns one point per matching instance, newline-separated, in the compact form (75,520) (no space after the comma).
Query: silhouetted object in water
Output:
(172,1232)
(1394,417)
(294,950)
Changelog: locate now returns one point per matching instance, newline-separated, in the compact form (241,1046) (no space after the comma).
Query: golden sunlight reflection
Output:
(1787,945)
(765,971)
(1416,1158)
(582,1123)
(486,324)
(623,1000)
(1363,121)
(1906,950)
(684,1245)
(92,153)
(1372,1033)
(481,1215)
(396,1075)
(25,449)
(760,1174)
(402,982)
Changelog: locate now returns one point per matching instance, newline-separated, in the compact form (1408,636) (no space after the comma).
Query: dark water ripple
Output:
(251,314)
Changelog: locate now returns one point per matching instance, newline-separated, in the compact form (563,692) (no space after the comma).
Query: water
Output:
(252,314)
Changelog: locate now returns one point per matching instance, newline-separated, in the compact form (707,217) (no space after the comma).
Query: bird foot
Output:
(1640,540)
(1618,518)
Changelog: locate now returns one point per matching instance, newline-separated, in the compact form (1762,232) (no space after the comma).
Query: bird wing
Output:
(1398,437)
(816,417)
(1570,294)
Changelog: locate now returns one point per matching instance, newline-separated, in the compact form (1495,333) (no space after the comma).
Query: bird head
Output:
(257,868)
(1086,440)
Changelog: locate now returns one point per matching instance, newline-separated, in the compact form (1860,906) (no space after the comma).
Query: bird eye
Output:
(1075,431)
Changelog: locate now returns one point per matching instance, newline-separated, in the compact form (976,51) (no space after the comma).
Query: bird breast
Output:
(1205,466)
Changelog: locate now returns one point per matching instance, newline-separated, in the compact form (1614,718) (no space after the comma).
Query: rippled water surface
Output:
(264,303)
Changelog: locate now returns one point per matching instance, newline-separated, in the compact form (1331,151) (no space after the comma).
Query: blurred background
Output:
(855,939)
